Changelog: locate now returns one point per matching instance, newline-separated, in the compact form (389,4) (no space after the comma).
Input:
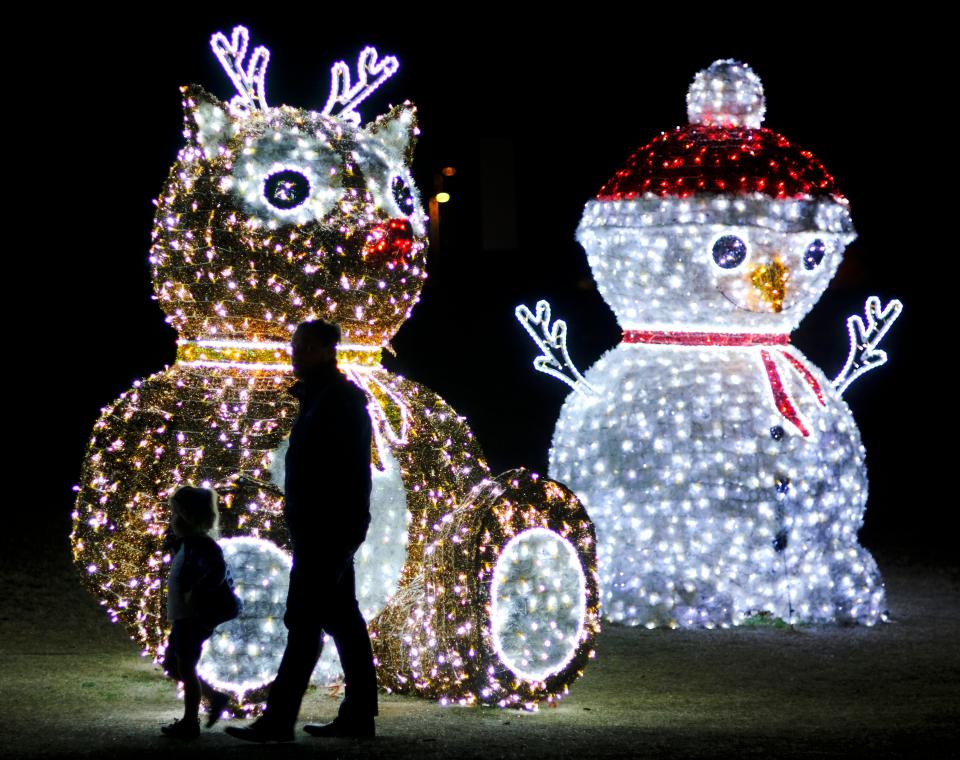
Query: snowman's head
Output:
(721,225)
(275,215)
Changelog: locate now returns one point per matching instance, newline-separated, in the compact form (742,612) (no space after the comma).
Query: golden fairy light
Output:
(505,607)
(272,216)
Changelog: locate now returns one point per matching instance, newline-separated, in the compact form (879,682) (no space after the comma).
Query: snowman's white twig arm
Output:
(864,354)
(551,339)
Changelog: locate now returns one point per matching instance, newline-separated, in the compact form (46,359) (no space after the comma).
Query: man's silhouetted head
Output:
(314,347)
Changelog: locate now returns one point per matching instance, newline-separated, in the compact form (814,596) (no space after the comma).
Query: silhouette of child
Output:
(199,597)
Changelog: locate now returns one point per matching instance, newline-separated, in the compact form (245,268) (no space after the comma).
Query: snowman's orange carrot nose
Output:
(770,281)
(389,242)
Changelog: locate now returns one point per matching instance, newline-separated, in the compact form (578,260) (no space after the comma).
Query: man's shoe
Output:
(260,733)
(218,703)
(182,729)
(343,729)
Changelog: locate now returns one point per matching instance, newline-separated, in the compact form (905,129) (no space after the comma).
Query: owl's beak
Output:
(389,242)
(770,282)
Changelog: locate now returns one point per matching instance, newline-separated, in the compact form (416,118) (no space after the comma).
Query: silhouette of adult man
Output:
(327,510)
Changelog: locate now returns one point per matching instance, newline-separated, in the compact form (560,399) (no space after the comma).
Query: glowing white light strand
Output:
(756,209)
(864,354)
(280,152)
(538,603)
(251,344)
(341,93)
(244,654)
(551,338)
(359,347)
(237,365)
(250,81)
(363,377)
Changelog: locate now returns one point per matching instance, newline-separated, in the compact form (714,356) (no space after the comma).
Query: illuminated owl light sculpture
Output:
(272,216)
(723,470)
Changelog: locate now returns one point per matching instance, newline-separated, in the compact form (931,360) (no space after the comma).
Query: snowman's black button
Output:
(776,432)
(780,541)
(814,254)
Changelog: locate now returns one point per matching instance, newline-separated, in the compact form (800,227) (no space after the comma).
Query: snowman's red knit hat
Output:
(723,151)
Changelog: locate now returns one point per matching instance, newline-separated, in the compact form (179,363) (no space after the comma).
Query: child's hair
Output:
(194,510)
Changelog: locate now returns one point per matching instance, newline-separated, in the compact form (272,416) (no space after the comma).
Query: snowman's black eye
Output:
(402,194)
(814,254)
(286,189)
(729,252)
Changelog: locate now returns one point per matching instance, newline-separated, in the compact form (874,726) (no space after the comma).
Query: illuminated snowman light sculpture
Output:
(479,589)
(723,470)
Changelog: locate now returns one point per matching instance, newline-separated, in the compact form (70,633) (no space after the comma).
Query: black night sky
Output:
(534,119)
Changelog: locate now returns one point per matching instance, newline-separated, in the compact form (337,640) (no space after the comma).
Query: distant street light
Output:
(439,196)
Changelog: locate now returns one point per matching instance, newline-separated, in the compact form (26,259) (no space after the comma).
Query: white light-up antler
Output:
(371,73)
(250,81)
(864,354)
(552,340)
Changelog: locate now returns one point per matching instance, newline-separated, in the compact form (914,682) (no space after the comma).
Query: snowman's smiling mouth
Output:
(748,309)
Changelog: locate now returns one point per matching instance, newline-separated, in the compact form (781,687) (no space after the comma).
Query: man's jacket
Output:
(328,466)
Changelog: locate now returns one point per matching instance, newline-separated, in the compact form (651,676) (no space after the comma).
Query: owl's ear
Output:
(207,121)
(397,130)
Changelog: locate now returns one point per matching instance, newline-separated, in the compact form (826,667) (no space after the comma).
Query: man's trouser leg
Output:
(304,643)
(349,631)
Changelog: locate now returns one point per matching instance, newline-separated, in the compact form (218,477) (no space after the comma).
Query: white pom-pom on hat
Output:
(726,94)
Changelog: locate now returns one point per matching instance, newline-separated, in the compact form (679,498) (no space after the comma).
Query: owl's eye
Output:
(402,194)
(814,254)
(729,252)
(286,189)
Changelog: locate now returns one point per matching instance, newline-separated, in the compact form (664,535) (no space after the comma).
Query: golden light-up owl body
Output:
(272,216)
(268,218)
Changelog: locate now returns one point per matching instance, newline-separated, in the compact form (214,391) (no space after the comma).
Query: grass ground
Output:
(72,684)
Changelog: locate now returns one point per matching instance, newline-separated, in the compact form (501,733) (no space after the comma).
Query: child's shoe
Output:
(218,702)
(183,729)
